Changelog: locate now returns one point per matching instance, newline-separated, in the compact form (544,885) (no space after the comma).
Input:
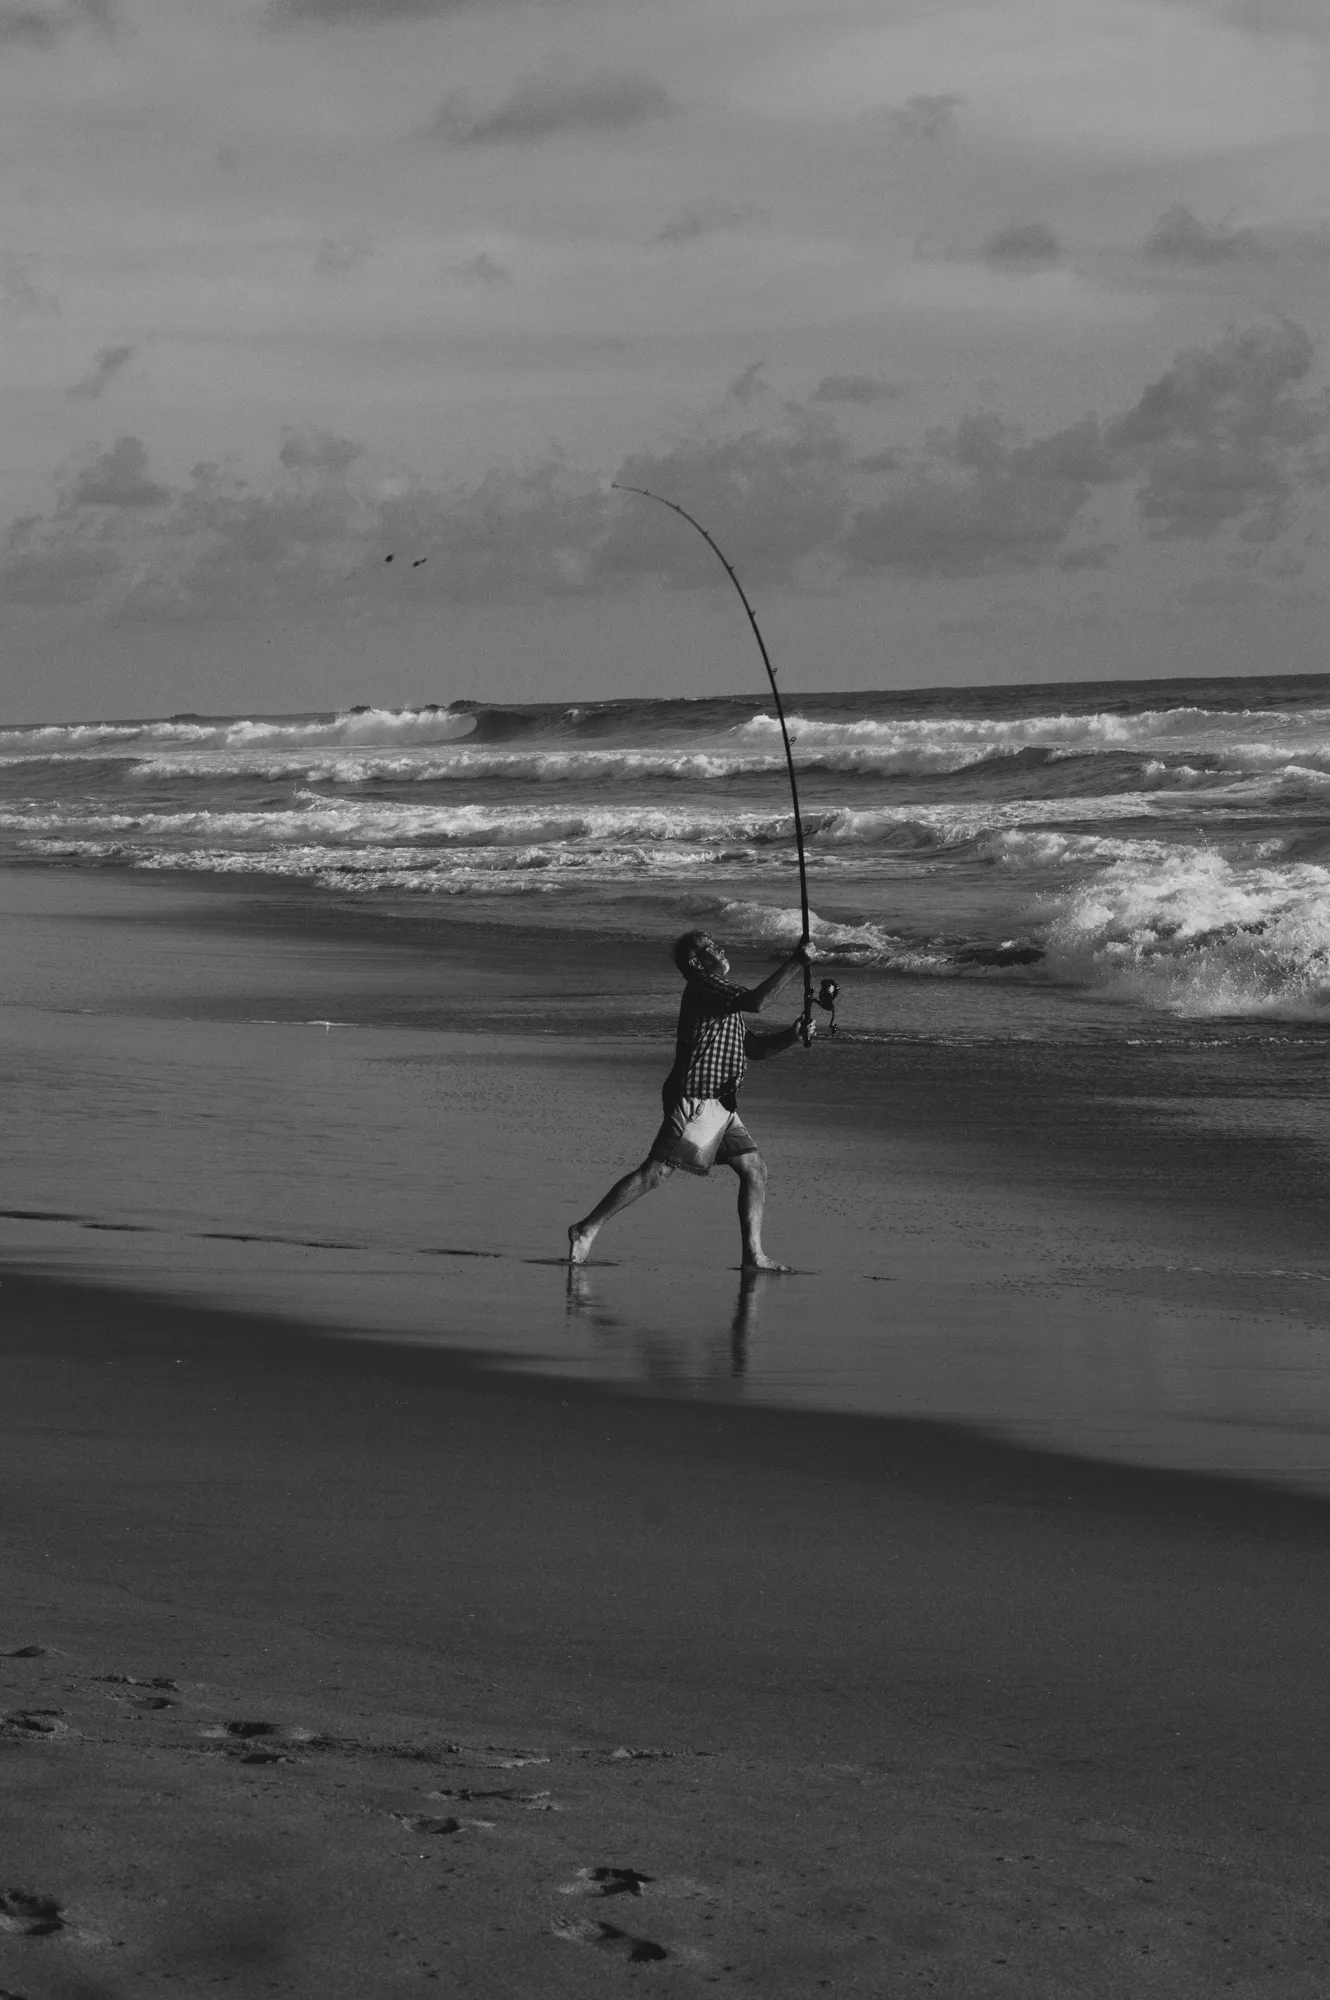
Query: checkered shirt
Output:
(709,1059)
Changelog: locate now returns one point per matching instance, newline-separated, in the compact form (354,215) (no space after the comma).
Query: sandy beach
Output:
(384,1614)
(339,1668)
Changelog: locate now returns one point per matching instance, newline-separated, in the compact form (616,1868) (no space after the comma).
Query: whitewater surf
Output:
(1163,846)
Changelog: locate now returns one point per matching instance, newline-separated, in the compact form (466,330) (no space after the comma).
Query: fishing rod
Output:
(826,995)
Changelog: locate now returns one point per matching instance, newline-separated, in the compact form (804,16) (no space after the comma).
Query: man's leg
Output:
(631,1188)
(752,1171)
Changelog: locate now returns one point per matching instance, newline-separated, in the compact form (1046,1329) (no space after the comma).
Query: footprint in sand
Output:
(510,1794)
(608,1937)
(237,1740)
(606,1882)
(145,1701)
(28,1914)
(30,1722)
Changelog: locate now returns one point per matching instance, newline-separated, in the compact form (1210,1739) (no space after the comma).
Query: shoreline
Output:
(1105,1679)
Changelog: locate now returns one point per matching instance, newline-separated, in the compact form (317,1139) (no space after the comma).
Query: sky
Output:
(989,339)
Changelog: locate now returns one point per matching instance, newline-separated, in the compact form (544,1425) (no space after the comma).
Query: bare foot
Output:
(762,1262)
(579,1244)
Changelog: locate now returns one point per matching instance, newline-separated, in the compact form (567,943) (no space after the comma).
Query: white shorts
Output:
(699,1133)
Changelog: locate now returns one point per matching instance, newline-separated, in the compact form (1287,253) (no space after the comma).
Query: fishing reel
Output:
(825,997)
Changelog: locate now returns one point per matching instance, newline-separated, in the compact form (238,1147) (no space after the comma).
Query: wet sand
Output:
(337,1668)
(1080,1243)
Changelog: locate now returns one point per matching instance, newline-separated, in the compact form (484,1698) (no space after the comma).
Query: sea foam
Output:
(1195,933)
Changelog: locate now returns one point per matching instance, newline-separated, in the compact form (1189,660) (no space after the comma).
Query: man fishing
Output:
(702,1126)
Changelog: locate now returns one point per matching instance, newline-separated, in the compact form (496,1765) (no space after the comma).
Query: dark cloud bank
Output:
(1229,438)
(1023,246)
(855,389)
(362,13)
(695,223)
(105,368)
(1179,237)
(41,24)
(924,117)
(546,108)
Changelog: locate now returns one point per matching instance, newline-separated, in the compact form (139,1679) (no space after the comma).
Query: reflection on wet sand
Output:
(657,1357)
(662,1356)
(582,1303)
(747,1313)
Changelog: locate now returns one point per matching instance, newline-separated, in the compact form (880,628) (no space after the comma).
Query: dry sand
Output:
(341,1669)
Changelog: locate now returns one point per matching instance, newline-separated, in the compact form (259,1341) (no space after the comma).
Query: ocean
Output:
(1160,846)
(346,1016)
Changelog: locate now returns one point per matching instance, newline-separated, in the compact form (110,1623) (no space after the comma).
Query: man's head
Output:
(698,951)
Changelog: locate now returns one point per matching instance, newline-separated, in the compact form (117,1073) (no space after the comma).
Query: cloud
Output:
(20,294)
(924,117)
(1223,437)
(1179,237)
(514,536)
(545,108)
(479,270)
(226,549)
(42,23)
(1279,17)
(119,478)
(698,222)
(1226,439)
(320,452)
(70,556)
(1023,246)
(856,389)
(1225,593)
(359,13)
(71,568)
(1088,555)
(775,499)
(336,255)
(748,385)
(981,499)
(108,364)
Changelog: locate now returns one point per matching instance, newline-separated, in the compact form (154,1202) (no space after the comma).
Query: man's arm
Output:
(758,1047)
(756,997)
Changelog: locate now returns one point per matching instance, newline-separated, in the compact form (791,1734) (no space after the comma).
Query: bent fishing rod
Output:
(826,995)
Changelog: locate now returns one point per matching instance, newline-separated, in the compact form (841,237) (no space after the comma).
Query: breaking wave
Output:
(360,727)
(1194,933)
(1185,746)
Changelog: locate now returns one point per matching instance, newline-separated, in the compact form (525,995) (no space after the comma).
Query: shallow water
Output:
(1106,1242)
